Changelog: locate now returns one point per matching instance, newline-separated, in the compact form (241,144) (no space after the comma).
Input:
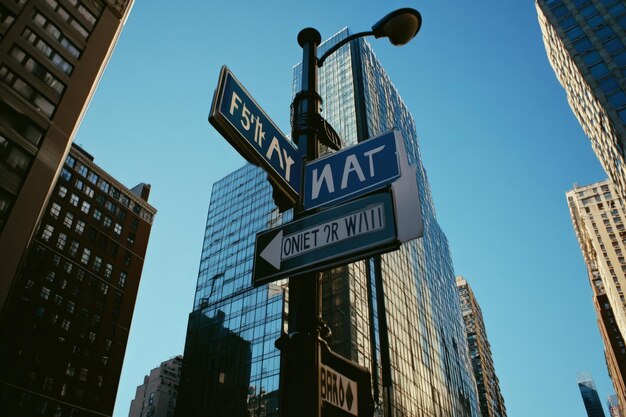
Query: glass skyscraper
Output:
(585,41)
(431,371)
(590,394)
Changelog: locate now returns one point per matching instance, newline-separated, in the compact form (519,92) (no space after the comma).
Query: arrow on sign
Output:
(272,252)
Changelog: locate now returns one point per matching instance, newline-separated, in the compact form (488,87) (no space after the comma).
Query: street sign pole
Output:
(300,349)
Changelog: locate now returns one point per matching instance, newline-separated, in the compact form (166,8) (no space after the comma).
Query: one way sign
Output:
(343,234)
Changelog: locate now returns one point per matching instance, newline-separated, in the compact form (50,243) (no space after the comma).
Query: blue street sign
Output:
(242,122)
(335,236)
(344,175)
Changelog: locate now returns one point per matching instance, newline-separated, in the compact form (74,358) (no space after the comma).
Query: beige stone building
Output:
(599,218)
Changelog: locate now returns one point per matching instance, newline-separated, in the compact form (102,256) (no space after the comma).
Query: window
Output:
(588,10)
(599,70)
(68,17)
(47,232)
(103,185)
(56,33)
(97,263)
(48,51)
(80,227)
(108,271)
(73,248)
(30,94)
(74,200)
(88,191)
(61,241)
(83,374)
(123,277)
(45,293)
(55,210)
(66,174)
(107,222)
(79,184)
(82,170)
(97,214)
(613,45)
(34,67)
(48,384)
(127,258)
(85,207)
(69,219)
(71,306)
(62,191)
(70,161)
(109,206)
(574,33)
(92,178)
(65,325)
(117,229)
(617,99)
(85,257)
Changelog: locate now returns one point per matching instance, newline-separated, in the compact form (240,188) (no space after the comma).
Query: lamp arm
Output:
(320,60)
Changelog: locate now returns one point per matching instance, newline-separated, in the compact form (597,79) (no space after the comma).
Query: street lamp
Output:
(400,26)
(300,361)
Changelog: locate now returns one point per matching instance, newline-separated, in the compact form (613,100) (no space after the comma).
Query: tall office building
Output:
(588,391)
(614,407)
(585,42)
(489,396)
(64,334)
(599,221)
(430,365)
(156,397)
(52,54)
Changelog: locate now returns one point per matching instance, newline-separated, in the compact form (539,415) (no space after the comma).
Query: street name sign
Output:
(357,170)
(335,236)
(345,387)
(242,122)
(338,390)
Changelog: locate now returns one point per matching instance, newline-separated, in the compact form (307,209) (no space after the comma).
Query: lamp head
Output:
(400,26)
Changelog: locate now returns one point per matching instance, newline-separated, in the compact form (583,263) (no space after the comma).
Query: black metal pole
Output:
(300,348)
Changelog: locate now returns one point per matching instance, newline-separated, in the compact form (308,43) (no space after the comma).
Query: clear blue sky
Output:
(498,139)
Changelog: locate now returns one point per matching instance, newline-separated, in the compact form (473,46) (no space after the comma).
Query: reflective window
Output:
(588,10)
(599,70)
(37,69)
(27,92)
(48,52)
(574,33)
(56,33)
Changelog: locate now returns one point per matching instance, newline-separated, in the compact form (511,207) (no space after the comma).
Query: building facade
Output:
(430,364)
(52,54)
(585,42)
(489,395)
(599,221)
(64,333)
(588,391)
(156,397)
